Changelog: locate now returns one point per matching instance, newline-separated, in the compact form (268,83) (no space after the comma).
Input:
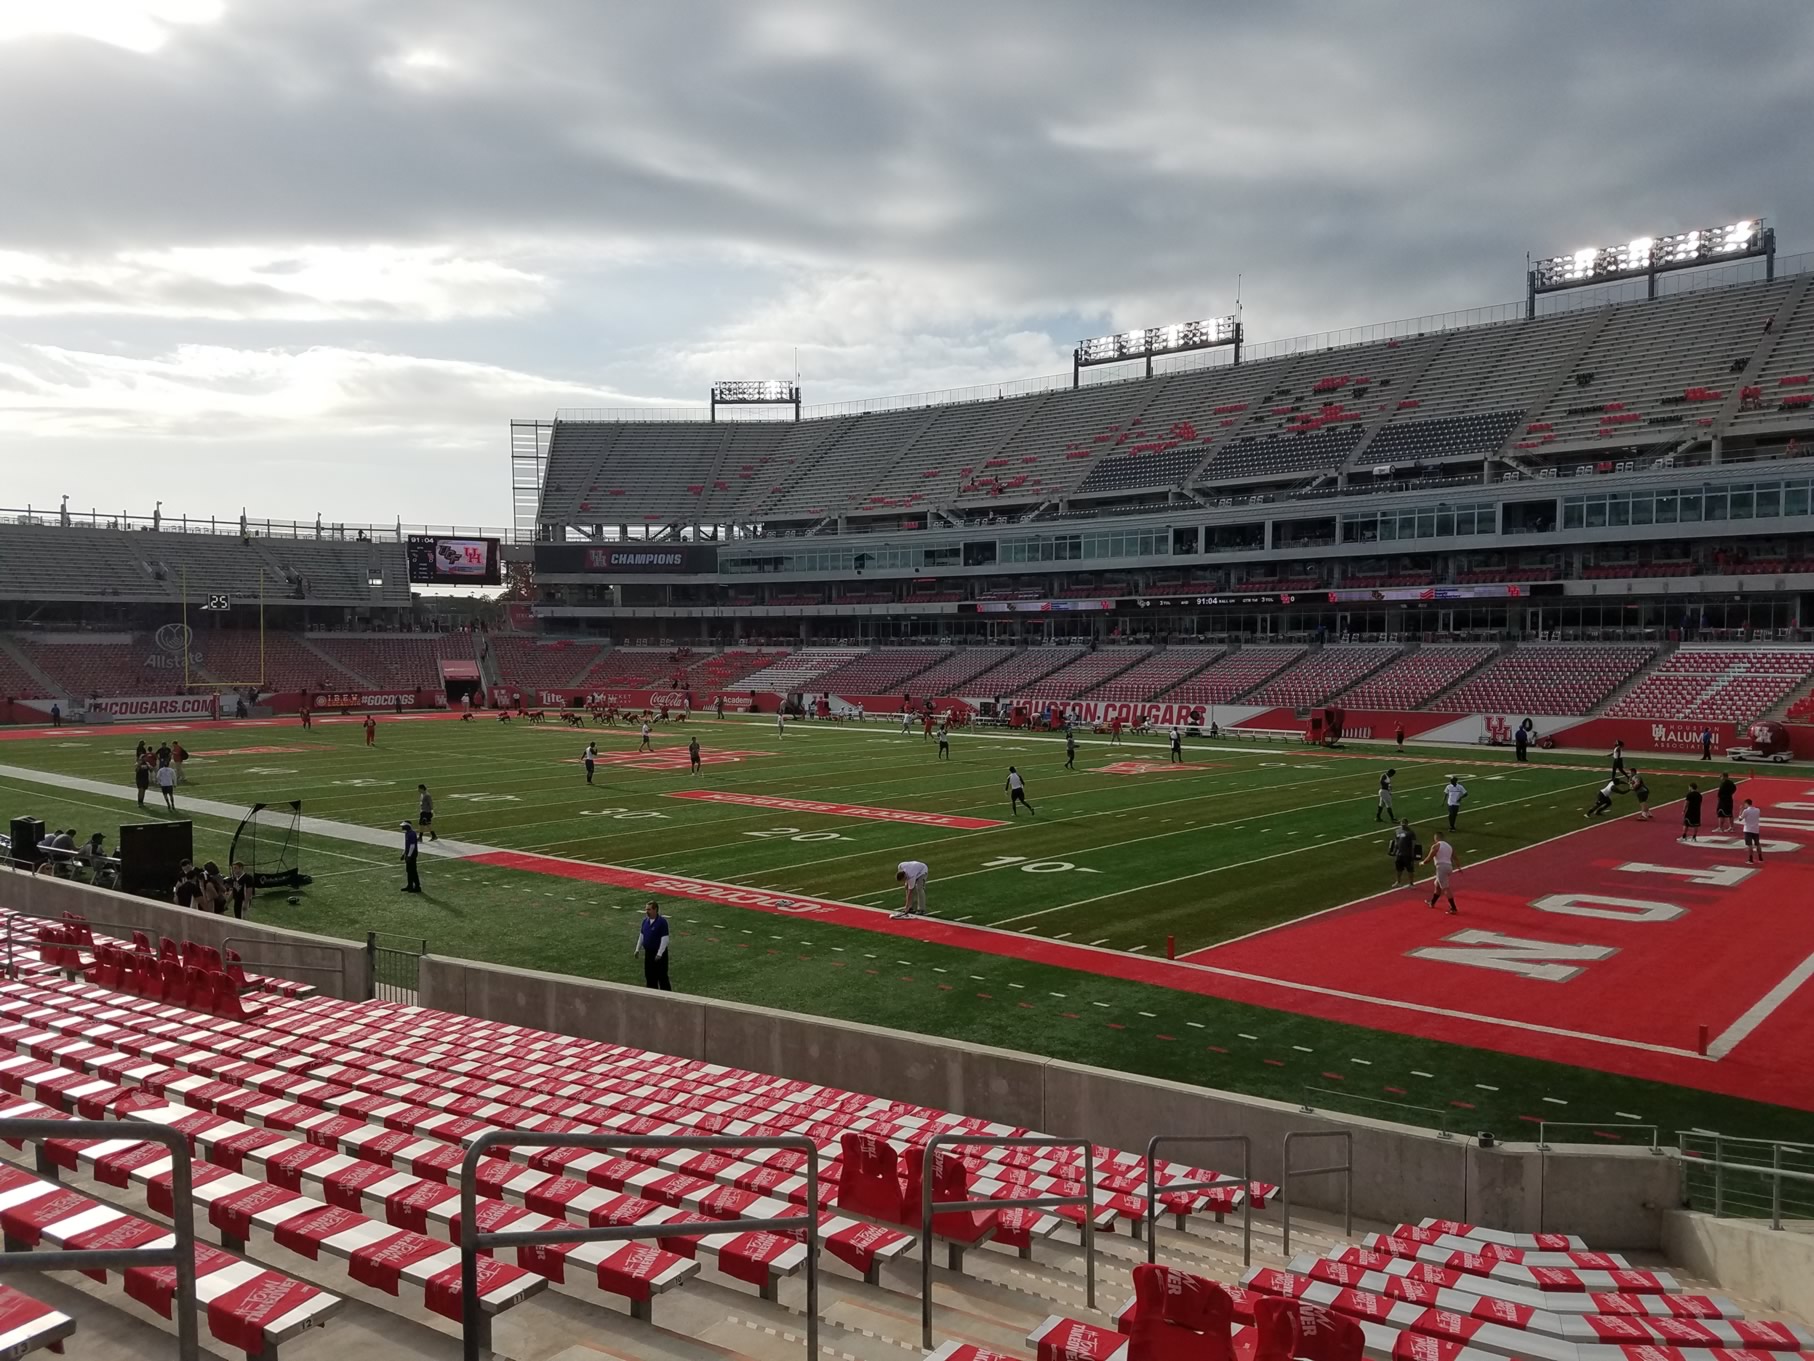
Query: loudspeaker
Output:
(150,854)
(27,833)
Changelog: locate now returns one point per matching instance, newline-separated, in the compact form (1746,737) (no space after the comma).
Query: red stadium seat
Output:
(1286,1329)
(1179,1317)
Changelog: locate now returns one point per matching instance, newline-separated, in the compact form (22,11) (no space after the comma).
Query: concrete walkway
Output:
(389,839)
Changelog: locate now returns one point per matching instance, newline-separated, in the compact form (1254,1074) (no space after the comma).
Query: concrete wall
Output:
(1746,1256)
(1615,1198)
(338,968)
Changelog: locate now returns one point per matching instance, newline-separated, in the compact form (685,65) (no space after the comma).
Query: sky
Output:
(312,258)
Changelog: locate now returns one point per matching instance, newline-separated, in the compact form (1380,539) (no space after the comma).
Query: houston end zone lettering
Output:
(1547,961)
(1709,876)
(1608,909)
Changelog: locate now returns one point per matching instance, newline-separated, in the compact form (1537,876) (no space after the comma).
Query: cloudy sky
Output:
(313,255)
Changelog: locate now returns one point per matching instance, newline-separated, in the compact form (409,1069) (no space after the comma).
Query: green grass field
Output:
(1260,834)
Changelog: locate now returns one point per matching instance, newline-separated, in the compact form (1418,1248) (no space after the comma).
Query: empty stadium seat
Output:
(1556,679)
(1716,684)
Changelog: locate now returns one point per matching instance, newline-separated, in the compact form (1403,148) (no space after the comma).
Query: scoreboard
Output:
(437,561)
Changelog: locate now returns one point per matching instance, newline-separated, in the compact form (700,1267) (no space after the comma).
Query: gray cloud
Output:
(913,196)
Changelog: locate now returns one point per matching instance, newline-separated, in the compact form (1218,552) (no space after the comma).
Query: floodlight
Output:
(755,392)
(1179,336)
(1651,255)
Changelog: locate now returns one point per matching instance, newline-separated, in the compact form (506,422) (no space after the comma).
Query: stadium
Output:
(1252,846)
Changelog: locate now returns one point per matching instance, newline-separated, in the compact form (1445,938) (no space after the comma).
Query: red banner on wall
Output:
(330,701)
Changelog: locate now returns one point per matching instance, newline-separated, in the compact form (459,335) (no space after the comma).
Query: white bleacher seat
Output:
(27,1326)
(247,1306)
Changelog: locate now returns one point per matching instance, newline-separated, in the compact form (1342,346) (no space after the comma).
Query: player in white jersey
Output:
(1442,855)
(1751,818)
(1017,793)
(1383,813)
(913,874)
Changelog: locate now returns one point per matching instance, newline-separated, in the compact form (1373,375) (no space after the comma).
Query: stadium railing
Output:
(180,1255)
(476,1326)
(1442,1116)
(1288,1173)
(930,1208)
(1244,1181)
(1739,1178)
(266,528)
(1599,1129)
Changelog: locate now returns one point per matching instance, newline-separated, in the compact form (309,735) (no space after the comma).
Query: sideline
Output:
(234,812)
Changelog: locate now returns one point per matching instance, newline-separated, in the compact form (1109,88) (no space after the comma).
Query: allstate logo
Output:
(174,639)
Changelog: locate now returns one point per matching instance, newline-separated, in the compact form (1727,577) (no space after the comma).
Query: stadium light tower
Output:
(756,392)
(1649,256)
(1155,340)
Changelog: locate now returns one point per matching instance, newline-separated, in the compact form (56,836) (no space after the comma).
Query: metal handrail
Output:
(180,1255)
(1245,1182)
(1442,1117)
(1345,1167)
(338,969)
(928,1208)
(1775,1173)
(475,1327)
(1545,1126)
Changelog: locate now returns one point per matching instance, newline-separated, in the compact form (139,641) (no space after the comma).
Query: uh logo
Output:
(1498,729)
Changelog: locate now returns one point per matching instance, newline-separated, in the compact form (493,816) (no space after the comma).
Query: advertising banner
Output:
(328,701)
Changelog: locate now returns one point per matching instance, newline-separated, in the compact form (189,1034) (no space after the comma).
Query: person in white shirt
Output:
(781,722)
(644,744)
(1017,793)
(589,757)
(1383,813)
(906,722)
(1442,855)
(1751,818)
(1177,751)
(1603,800)
(1454,792)
(166,783)
(913,874)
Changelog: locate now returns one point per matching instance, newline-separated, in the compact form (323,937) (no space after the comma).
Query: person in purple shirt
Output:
(652,944)
(410,843)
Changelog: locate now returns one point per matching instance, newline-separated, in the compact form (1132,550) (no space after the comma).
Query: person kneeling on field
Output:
(1603,800)
(913,874)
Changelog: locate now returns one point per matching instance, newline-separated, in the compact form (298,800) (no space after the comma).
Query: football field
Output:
(1572,985)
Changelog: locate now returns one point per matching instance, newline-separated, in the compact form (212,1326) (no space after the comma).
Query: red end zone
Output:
(1608,948)
(843,810)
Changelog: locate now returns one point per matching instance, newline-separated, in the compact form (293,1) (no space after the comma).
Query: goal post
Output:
(268,841)
(220,601)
